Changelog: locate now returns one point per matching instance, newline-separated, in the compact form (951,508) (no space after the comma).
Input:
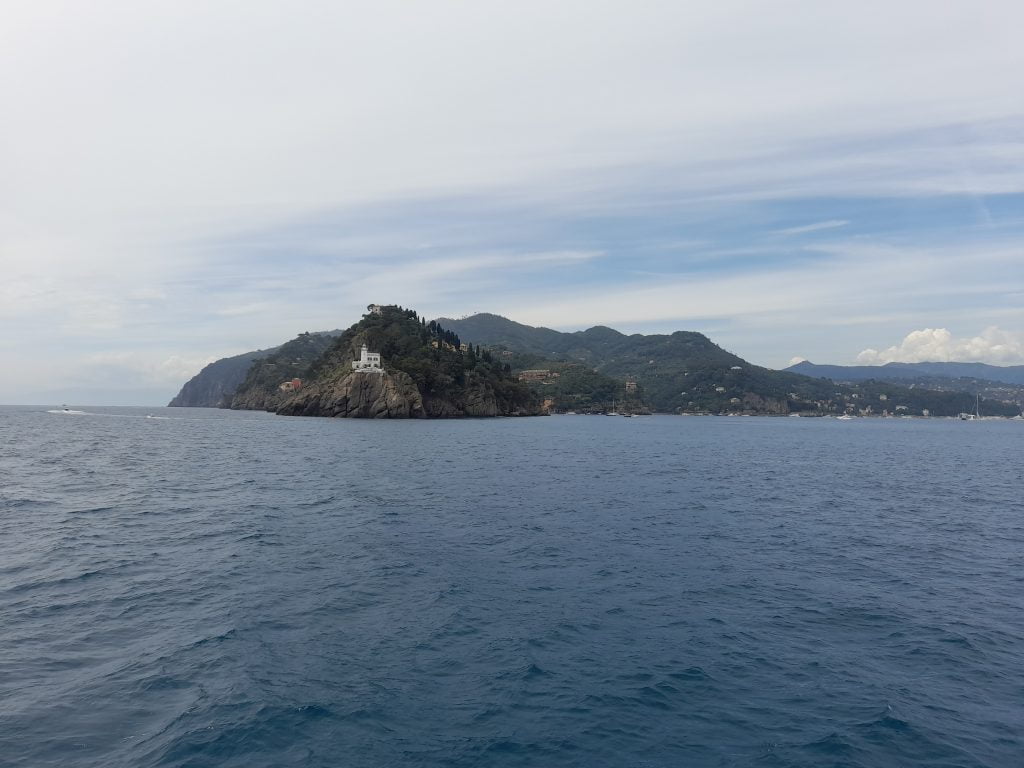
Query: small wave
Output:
(90,510)
(832,745)
(690,673)
(885,720)
(64,581)
(214,639)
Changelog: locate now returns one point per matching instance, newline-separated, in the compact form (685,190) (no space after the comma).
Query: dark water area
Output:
(240,589)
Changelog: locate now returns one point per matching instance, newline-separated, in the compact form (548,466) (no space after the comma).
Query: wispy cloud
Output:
(275,181)
(804,229)
(239,310)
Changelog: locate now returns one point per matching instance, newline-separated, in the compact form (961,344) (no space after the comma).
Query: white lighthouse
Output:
(368,362)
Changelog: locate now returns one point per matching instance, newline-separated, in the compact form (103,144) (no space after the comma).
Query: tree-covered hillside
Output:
(441,366)
(687,372)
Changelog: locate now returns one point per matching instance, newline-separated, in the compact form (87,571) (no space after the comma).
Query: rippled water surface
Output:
(239,589)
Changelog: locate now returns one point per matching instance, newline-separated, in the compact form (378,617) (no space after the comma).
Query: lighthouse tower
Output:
(368,362)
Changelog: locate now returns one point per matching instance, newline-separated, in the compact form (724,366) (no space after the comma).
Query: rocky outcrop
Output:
(359,396)
(253,399)
(478,400)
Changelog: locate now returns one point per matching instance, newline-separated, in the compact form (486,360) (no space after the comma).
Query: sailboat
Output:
(976,416)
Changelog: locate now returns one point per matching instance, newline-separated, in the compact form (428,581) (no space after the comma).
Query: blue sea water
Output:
(216,588)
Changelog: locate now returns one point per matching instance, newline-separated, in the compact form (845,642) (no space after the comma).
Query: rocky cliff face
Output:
(213,386)
(394,395)
(359,396)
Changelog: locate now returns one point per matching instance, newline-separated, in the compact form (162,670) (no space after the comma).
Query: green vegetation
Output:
(682,372)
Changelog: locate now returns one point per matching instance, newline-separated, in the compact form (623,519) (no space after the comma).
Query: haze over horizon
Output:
(185,181)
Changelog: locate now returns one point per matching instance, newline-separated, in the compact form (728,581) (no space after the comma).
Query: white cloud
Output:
(253,308)
(939,345)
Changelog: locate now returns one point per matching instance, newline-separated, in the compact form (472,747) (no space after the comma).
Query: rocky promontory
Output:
(410,369)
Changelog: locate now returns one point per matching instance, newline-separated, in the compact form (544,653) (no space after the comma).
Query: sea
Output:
(198,588)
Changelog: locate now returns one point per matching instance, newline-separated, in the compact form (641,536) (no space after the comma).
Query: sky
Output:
(182,181)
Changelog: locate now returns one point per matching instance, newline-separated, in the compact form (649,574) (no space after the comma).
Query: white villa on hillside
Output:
(368,362)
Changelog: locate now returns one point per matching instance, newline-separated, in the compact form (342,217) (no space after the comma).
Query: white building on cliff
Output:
(368,362)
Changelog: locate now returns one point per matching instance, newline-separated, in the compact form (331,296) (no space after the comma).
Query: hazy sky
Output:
(181,181)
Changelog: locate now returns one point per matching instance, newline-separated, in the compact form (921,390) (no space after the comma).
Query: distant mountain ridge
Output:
(1013,374)
(686,372)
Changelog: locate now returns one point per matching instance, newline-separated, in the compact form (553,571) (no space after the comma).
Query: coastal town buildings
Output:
(537,374)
